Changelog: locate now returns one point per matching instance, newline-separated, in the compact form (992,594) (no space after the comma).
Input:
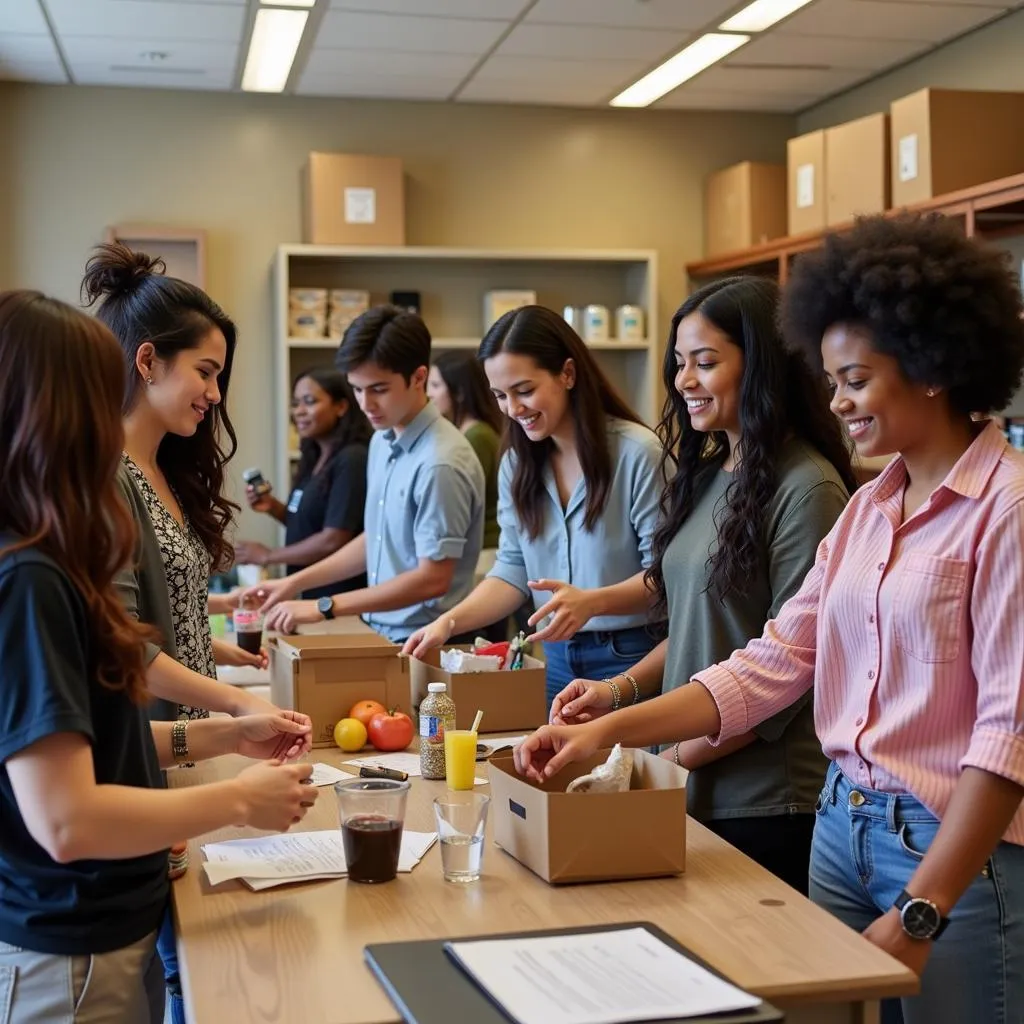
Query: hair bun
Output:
(115,269)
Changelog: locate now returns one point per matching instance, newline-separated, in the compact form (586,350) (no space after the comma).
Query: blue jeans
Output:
(865,849)
(167,947)
(598,654)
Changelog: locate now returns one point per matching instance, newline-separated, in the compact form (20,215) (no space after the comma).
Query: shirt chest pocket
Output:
(928,607)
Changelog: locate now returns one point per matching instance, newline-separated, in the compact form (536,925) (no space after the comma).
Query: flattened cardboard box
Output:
(509,700)
(323,675)
(592,837)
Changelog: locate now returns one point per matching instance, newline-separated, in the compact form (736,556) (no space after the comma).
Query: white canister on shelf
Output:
(629,323)
(571,315)
(595,323)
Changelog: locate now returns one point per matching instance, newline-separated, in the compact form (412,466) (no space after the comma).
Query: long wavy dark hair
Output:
(549,341)
(779,398)
(61,385)
(470,396)
(139,304)
(352,428)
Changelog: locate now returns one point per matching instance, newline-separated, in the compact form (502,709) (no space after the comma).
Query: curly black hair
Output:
(780,397)
(946,307)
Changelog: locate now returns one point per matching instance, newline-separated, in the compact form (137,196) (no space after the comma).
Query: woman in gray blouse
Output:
(578,491)
(763,472)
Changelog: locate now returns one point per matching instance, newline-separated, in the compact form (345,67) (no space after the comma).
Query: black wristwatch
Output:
(921,918)
(325,606)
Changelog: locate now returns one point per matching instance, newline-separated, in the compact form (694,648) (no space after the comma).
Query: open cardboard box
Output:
(323,675)
(511,701)
(592,837)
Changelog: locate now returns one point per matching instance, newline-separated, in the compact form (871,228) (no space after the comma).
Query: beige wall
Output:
(73,160)
(989,58)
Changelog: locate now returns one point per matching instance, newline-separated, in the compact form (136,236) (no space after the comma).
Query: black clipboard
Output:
(427,986)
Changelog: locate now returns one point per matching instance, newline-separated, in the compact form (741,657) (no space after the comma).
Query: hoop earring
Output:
(930,392)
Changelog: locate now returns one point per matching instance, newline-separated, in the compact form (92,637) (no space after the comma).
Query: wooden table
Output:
(295,954)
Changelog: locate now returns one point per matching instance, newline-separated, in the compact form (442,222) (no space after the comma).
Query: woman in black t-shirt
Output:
(325,507)
(86,821)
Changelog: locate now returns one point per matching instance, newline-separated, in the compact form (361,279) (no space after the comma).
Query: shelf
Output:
(474,343)
(990,209)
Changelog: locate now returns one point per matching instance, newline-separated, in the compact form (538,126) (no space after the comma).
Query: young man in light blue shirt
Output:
(423,525)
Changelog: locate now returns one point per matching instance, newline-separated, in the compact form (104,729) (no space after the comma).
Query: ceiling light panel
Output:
(275,39)
(762,14)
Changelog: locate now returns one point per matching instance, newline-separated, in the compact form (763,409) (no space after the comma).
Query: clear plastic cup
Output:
(461,820)
(372,815)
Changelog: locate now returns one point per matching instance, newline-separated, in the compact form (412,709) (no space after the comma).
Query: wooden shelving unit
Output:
(992,210)
(452,283)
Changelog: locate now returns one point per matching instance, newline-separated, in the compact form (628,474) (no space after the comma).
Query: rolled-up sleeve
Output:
(776,669)
(509,564)
(648,482)
(444,513)
(997,651)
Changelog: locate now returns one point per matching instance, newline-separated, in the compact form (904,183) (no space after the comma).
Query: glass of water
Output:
(461,818)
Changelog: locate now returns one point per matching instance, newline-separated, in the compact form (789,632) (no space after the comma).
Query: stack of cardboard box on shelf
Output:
(927,144)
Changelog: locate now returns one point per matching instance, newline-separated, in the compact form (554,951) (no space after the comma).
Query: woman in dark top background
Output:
(325,508)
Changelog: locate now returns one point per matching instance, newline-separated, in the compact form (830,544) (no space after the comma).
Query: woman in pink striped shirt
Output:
(910,626)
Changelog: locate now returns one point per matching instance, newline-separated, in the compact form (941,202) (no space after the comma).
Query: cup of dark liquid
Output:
(371,812)
(248,627)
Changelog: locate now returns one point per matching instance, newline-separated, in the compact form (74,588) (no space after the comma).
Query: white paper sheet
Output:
(493,742)
(327,775)
(408,763)
(596,978)
(296,856)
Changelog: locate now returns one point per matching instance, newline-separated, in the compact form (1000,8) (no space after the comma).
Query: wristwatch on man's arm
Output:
(325,606)
(920,917)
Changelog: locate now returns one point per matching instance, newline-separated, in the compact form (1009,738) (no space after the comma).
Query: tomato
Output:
(365,710)
(391,730)
(350,734)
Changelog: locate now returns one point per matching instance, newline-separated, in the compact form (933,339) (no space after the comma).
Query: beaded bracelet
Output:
(636,686)
(675,754)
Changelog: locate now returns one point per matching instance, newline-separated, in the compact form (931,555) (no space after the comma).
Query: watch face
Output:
(324,605)
(921,919)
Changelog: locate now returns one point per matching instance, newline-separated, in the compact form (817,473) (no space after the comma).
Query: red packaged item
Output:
(501,650)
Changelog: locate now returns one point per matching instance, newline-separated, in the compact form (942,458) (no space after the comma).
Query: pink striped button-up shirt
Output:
(912,634)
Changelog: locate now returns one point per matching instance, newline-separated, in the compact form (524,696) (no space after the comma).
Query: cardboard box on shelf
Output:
(501,301)
(944,140)
(744,205)
(856,168)
(511,701)
(592,837)
(349,199)
(324,674)
(805,183)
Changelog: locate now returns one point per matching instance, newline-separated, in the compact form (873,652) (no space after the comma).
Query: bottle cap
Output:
(437,688)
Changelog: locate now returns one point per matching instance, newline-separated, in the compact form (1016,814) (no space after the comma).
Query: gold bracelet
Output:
(636,686)
(675,753)
(179,741)
(616,693)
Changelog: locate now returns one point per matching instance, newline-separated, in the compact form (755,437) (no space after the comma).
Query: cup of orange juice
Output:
(460,758)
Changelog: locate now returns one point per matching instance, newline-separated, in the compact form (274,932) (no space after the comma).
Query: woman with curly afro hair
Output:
(909,626)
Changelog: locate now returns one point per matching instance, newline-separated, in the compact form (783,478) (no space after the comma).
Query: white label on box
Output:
(360,205)
(804,186)
(908,158)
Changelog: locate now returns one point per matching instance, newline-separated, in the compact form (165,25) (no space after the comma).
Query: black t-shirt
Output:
(87,906)
(334,498)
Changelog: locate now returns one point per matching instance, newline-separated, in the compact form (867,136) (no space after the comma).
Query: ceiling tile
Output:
(103,74)
(827,51)
(21,16)
(499,10)
(396,87)
(390,63)
(887,19)
(607,75)
(351,30)
(148,19)
(695,99)
(136,53)
(803,81)
(30,58)
(672,14)
(498,91)
(589,43)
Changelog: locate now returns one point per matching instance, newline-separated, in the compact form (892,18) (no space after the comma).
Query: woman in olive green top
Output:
(458,388)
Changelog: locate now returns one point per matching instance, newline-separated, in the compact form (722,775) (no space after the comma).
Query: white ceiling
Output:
(563,52)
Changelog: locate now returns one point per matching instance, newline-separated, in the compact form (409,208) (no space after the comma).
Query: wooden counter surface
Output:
(295,954)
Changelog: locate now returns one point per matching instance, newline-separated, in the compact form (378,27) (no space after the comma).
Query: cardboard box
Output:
(944,140)
(353,200)
(592,837)
(323,675)
(805,183)
(856,168)
(744,205)
(510,701)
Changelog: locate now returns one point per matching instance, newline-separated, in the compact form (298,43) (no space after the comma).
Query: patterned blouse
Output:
(187,568)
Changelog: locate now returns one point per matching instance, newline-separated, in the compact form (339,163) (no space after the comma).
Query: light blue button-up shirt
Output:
(424,499)
(618,547)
